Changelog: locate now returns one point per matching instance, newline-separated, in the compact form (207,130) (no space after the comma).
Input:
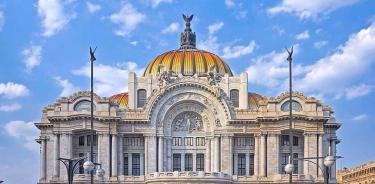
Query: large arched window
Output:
(83,105)
(296,106)
(141,97)
(234,97)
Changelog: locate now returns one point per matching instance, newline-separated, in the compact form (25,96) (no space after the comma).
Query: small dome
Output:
(187,60)
(254,99)
(121,99)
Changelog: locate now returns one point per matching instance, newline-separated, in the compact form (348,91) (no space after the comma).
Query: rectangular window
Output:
(136,164)
(295,141)
(81,140)
(241,164)
(88,140)
(81,169)
(176,162)
(188,162)
(285,161)
(251,164)
(200,141)
(200,162)
(126,165)
(188,141)
(176,141)
(285,140)
(295,163)
(95,140)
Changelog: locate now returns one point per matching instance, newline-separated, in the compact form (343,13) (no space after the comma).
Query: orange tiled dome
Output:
(121,99)
(188,62)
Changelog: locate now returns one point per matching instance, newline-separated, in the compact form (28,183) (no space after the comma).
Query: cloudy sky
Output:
(44,55)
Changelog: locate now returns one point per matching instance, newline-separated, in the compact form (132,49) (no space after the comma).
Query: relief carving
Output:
(188,122)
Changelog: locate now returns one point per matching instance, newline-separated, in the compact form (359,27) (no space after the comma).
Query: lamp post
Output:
(71,164)
(90,163)
(289,168)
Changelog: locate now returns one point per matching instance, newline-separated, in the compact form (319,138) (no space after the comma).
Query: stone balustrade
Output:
(189,177)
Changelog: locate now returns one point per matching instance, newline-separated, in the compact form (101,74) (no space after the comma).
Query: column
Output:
(160,155)
(207,163)
(121,155)
(235,165)
(64,153)
(150,154)
(226,154)
(262,155)
(105,141)
(247,164)
(256,155)
(114,155)
(212,154)
(194,155)
(217,154)
(182,161)
(306,154)
(321,154)
(43,159)
(130,164)
(169,154)
(141,160)
(333,167)
(56,150)
(273,154)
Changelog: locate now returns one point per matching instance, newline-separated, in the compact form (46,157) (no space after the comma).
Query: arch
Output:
(83,105)
(185,90)
(296,106)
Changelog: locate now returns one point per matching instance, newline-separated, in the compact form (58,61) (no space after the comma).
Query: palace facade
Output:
(363,174)
(187,119)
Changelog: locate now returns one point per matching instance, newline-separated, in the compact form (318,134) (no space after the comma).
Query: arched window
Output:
(234,97)
(296,106)
(83,105)
(141,97)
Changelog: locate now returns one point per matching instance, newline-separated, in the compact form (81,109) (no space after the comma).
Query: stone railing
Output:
(188,176)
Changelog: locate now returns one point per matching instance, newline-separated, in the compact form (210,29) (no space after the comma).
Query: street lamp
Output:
(89,165)
(289,168)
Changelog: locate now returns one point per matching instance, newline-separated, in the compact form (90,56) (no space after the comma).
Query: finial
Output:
(187,37)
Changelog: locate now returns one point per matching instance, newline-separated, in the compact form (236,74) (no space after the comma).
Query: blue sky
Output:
(44,55)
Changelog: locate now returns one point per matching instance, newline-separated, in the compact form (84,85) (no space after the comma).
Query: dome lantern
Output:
(188,38)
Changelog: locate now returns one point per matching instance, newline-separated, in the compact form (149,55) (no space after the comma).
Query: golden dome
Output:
(188,62)
(121,99)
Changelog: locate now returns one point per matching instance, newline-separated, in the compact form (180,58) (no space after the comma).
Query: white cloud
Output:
(309,9)
(2,20)
(303,36)
(53,15)
(32,56)
(12,90)
(334,76)
(229,3)
(68,87)
(127,19)
(320,44)
(25,132)
(337,72)
(10,107)
(172,28)
(271,70)
(278,30)
(156,3)
(211,44)
(238,50)
(360,117)
(92,8)
(213,28)
(134,43)
(358,91)
(109,80)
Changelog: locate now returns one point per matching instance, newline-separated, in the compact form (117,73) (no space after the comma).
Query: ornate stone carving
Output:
(213,77)
(217,123)
(188,121)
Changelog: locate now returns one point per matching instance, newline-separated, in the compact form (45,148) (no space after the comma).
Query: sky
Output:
(45,55)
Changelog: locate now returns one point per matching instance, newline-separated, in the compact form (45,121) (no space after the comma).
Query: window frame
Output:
(176,162)
(199,162)
(141,98)
(234,96)
(188,162)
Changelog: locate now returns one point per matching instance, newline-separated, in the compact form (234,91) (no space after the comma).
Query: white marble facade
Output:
(171,127)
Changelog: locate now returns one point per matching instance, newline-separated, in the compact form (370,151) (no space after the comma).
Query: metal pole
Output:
(327,175)
(92,117)
(290,115)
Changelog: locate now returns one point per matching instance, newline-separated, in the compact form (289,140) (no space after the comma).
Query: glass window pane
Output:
(136,164)
(234,97)
(176,162)
(188,162)
(200,162)
(141,97)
